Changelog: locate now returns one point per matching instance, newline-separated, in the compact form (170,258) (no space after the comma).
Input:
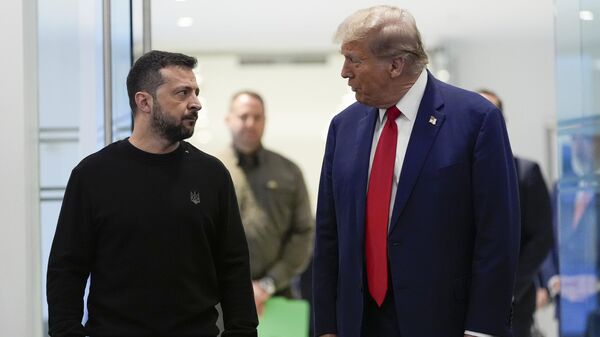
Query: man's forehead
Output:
(348,46)
(172,74)
(353,47)
(247,105)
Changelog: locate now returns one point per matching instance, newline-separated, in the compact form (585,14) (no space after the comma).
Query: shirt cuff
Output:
(553,285)
(476,334)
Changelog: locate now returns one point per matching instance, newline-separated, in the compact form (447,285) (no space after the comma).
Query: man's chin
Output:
(362,101)
(183,134)
(187,134)
(360,98)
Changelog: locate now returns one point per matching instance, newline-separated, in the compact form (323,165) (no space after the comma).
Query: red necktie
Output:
(378,207)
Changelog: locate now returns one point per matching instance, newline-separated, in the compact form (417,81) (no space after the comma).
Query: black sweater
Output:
(160,237)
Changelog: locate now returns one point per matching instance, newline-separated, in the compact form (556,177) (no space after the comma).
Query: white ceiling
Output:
(259,26)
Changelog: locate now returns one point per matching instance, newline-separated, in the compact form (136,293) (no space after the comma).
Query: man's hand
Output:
(554,285)
(260,297)
(542,298)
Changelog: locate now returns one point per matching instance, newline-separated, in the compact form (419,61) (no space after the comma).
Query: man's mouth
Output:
(193,117)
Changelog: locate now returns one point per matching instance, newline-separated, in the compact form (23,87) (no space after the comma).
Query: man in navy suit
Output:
(418,215)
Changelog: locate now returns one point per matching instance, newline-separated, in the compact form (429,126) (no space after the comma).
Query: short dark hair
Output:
(493,94)
(145,73)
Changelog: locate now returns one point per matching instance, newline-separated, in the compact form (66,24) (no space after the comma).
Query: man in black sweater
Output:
(154,223)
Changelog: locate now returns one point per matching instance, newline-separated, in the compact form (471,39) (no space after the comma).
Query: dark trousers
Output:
(523,313)
(380,321)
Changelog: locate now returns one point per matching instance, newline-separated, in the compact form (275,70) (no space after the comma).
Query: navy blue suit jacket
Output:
(454,235)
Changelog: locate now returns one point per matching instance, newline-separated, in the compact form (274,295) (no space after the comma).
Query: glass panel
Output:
(578,215)
(121,63)
(57,159)
(71,96)
(578,199)
(568,61)
(589,18)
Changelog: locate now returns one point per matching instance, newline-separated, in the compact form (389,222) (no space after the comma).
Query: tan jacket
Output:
(276,214)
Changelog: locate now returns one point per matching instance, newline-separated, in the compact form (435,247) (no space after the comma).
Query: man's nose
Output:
(346,73)
(195,103)
(250,122)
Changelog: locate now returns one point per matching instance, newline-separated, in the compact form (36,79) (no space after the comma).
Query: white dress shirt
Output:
(408,106)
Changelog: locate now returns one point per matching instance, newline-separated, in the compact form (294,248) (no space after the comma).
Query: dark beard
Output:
(167,127)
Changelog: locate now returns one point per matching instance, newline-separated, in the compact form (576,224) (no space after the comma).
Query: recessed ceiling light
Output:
(185,21)
(586,15)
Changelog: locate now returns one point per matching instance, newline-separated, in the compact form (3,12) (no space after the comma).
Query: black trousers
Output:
(523,313)
(380,321)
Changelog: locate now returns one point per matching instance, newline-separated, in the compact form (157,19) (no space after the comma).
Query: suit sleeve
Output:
(325,262)
(496,218)
(549,267)
(299,243)
(536,231)
(69,262)
(233,270)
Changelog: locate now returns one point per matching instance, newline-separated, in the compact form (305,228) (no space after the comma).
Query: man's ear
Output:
(227,118)
(144,101)
(396,67)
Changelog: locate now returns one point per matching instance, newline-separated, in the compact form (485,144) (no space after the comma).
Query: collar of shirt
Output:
(409,104)
(248,160)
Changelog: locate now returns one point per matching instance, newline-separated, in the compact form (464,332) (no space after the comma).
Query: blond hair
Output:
(391,32)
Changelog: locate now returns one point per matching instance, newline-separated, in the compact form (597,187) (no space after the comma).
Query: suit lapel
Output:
(422,137)
(364,141)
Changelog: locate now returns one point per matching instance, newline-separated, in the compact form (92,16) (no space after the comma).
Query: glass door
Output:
(73,72)
(578,189)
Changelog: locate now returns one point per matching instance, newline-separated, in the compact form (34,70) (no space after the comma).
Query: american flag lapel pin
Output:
(432,120)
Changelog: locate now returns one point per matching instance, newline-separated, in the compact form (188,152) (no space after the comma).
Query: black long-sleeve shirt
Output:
(160,237)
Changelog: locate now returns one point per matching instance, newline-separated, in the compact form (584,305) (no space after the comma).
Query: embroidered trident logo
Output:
(195,197)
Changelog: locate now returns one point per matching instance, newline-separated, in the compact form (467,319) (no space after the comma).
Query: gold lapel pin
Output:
(432,120)
(272,184)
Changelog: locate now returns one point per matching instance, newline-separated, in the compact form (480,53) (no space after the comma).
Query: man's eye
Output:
(182,93)
(353,59)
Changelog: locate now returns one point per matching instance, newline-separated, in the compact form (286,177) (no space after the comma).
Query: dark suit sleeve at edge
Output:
(325,263)
(496,216)
(537,238)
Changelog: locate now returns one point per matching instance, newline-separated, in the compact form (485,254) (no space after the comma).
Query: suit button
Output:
(395,243)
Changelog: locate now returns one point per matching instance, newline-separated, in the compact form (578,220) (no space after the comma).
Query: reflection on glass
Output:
(578,209)
(578,199)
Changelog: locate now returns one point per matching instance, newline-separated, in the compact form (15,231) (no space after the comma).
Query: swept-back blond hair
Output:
(391,32)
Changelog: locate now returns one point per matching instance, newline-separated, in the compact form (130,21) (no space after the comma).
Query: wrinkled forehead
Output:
(355,47)
(178,74)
